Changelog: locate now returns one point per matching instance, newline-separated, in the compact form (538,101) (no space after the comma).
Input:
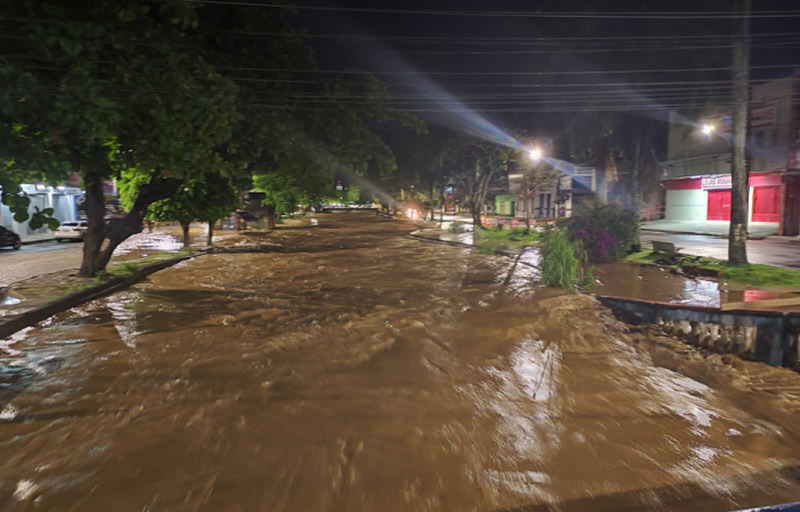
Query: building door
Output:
(719,205)
(766,204)
(791,207)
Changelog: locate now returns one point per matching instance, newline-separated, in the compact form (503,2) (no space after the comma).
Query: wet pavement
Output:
(35,260)
(352,368)
(650,282)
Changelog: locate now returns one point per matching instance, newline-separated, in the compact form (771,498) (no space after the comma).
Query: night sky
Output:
(414,53)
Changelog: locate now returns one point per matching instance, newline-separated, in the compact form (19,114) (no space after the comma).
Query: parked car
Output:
(9,239)
(72,230)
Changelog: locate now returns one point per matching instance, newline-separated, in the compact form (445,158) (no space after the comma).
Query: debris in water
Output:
(25,489)
(8,413)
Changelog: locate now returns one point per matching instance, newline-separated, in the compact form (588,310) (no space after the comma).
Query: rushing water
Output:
(352,368)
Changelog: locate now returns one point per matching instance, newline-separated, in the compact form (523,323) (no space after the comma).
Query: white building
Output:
(698,166)
(63,200)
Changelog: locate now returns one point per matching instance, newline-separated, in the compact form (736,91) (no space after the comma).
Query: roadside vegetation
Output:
(607,232)
(564,262)
(491,240)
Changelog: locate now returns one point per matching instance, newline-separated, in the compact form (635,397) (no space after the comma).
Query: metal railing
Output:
(653,212)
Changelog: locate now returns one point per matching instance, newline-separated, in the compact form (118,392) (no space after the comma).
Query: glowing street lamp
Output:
(708,129)
(535,154)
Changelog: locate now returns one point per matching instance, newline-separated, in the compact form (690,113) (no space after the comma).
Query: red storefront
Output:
(774,197)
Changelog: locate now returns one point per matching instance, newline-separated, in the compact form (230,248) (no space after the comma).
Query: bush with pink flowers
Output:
(607,232)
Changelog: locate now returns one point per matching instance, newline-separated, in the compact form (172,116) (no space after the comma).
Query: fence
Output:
(653,212)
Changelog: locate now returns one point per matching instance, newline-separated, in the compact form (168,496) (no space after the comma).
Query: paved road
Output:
(769,251)
(359,370)
(36,259)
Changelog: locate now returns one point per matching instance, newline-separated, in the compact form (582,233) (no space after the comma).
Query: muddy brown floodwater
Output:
(349,368)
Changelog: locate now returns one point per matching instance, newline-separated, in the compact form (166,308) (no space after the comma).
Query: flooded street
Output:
(349,367)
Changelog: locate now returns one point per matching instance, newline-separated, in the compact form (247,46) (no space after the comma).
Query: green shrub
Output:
(560,261)
(589,280)
(607,232)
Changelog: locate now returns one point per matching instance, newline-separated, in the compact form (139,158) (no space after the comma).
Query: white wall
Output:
(62,202)
(687,204)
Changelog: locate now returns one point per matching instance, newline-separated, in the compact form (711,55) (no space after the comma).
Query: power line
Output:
(510,39)
(505,73)
(637,15)
(559,52)
(447,73)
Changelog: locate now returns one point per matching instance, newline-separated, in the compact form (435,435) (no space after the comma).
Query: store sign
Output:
(716,182)
(764,116)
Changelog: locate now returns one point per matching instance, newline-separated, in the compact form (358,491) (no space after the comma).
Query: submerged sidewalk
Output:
(757,230)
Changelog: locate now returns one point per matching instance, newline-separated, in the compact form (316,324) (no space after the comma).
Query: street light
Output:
(708,129)
(535,154)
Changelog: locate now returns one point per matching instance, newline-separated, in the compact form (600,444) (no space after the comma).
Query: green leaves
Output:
(40,218)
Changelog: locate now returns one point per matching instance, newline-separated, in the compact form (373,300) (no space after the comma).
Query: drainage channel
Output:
(759,335)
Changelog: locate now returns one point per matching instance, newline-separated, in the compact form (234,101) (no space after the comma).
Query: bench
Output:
(665,247)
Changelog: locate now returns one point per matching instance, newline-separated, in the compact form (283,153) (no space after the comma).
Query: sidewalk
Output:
(38,237)
(757,230)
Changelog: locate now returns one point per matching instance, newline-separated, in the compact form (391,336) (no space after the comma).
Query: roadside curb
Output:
(37,241)
(416,236)
(34,316)
(698,233)
(785,239)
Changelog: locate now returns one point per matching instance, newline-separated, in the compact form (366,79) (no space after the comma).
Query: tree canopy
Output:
(172,96)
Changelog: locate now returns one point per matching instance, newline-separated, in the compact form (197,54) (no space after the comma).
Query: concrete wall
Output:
(690,153)
(686,204)
(770,145)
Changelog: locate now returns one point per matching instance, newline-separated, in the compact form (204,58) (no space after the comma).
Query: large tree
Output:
(206,200)
(485,166)
(103,86)
(298,130)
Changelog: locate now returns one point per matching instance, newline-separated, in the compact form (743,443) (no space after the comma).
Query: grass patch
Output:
(77,287)
(120,270)
(752,274)
(490,240)
(131,268)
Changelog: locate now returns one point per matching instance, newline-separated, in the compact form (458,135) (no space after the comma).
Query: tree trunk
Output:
(210,233)
(602,182)
(95,209)
(185,228)
(476,215)
(737,236)
(527,211)
(636,173)
(270,215)
(101,239)
(441,204)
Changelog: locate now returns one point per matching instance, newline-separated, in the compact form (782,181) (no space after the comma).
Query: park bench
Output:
(665,247)
(675,257)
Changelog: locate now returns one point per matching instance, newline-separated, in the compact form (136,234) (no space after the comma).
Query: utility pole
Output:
(737,236)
